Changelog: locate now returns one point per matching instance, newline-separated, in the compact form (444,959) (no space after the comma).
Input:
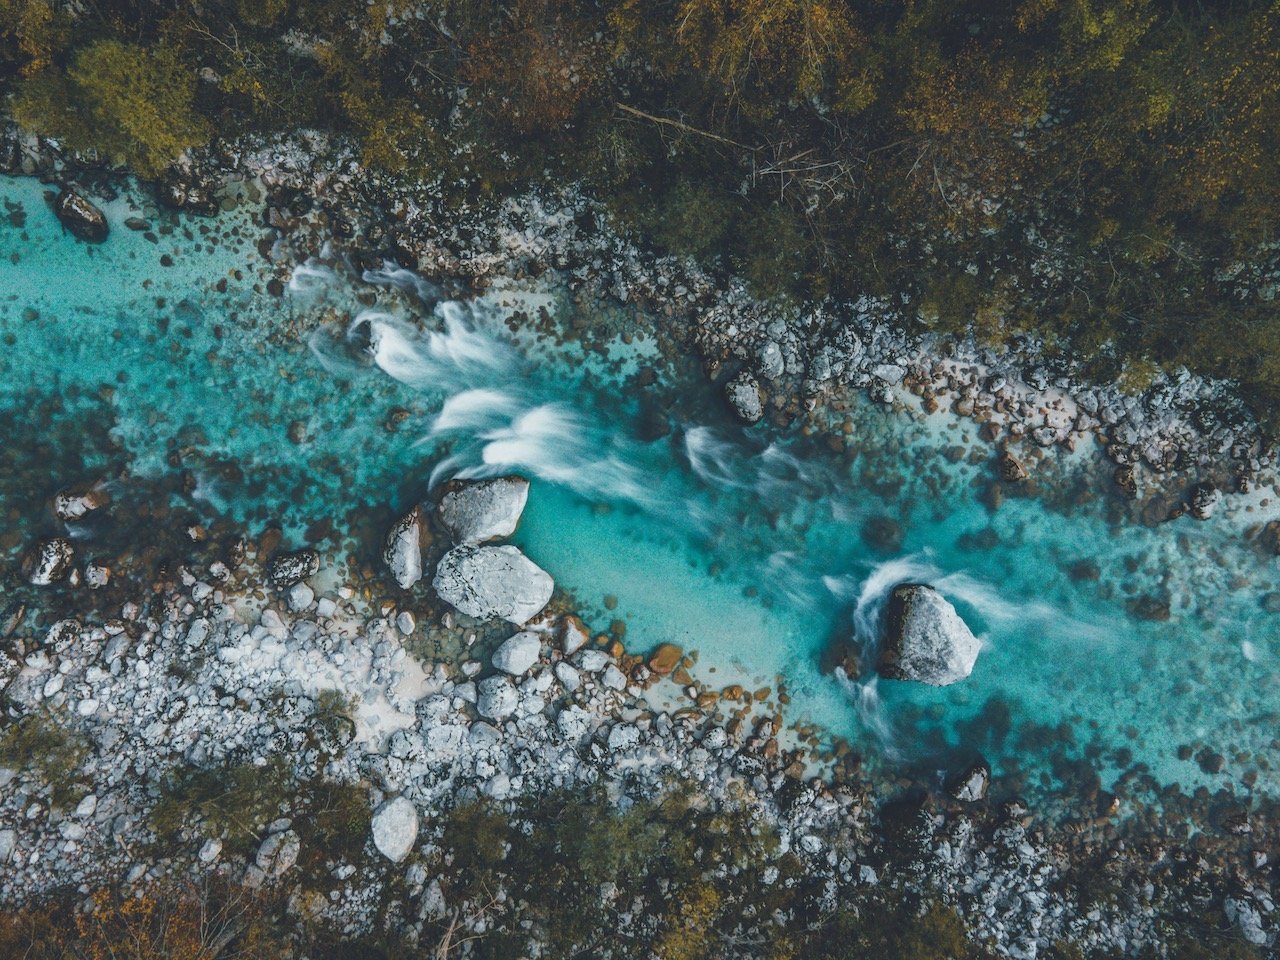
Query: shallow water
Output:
(743,544)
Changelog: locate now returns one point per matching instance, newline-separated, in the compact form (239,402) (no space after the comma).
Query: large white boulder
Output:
(483,510)
(492,583)
(924,638)
(395,828)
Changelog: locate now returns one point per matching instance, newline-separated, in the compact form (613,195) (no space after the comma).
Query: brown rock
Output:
(665,658)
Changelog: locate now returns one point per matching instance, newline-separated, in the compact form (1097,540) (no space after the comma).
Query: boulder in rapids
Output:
(491,583)
(924,638)
(477,511)
(79,216)
(744,395)
(403,551)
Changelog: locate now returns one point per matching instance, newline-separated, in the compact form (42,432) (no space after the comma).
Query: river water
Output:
(350,396)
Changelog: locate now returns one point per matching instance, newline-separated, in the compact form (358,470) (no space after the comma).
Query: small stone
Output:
(406,623)
(210,850)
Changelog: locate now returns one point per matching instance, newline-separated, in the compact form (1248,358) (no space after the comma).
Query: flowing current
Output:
(761,550)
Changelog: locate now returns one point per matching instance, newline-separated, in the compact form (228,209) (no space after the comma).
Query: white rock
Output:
(518,654)
(210,850)
(395,828)
(925,639)
(406,622)
(497,698)
(491,583)
(569,677)
(8,841)
(300,596)
(476,512)
(573,635)
(278,853)
(614,678)
(87,708)
(87,806)
(403,552)
(593,661)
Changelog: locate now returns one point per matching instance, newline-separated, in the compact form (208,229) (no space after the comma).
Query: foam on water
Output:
(747,546)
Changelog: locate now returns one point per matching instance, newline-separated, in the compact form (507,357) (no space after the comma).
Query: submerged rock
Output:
(403,551)
(743,394)
(50,561)
(79,216)
(395,828)
(1010,468)
(288,568)
(492,582)
(924,638)
(474,512)
(186,191)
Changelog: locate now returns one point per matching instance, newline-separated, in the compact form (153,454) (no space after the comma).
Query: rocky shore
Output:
(1167,434)
(269,666)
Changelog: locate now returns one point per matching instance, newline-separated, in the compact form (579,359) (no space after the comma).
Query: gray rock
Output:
(924,638)
(77,503)
(476,512)
(403,551)
(1247,917)
(569,677)
(301,597)
(491,583)
(278,853)
(288,568)
(517,654)
(772,364)
(744,395)
(50,561)
(1204,499)
(210,850)
(81,218)
(8,841)
(497,698)
(971,783)
(395,828)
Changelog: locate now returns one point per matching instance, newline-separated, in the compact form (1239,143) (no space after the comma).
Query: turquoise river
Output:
(345,398)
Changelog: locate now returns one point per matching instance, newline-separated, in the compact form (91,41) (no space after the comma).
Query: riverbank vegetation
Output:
(1103,174)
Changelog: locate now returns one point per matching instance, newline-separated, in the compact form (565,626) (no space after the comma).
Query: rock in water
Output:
(743,393)
(50,561)
(403,552)
(484,510)
(492,582)
(395,828)
(288,568)
(1010,469)
(517,654)
(78,215)
(924,638)
(970,784)
(1205,498)
(77,503)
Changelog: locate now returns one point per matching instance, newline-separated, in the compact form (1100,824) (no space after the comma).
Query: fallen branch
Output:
(684,127)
